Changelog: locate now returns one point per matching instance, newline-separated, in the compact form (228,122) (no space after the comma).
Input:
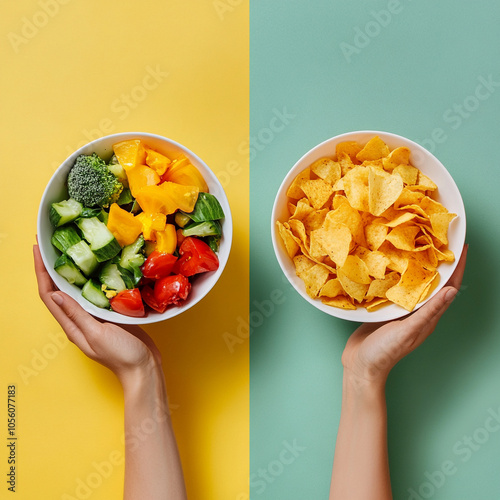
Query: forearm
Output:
(153,469)
(360,467)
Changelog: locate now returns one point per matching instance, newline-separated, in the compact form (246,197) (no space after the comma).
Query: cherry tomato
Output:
(128,302)
(196,257)
(149,297)
(171,290)
(158,265)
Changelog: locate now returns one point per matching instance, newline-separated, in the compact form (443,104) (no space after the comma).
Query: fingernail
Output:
(57,299)
(450,295)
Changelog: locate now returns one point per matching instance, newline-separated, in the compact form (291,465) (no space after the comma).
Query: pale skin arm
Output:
(361,465)
(153,468)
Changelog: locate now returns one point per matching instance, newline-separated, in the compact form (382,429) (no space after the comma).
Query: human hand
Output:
(374,348)
(123,349)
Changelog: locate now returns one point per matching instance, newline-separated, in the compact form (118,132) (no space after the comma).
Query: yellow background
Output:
(67,71)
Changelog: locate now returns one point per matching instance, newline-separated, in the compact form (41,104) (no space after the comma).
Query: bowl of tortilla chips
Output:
(367,226)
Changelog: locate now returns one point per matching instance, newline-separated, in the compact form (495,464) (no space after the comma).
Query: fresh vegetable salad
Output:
(134,232)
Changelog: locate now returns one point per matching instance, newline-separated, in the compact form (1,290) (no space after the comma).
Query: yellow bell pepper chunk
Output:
(158,162)
(182,171)
(151,222)
(124,226)
(167,197)
(166,241)
(141,176)
(130,153)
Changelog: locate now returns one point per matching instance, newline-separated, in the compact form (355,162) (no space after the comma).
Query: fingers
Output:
(45,284)
(456,279)
(421,323)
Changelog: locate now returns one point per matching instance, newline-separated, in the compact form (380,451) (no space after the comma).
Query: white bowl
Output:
(56,191)
(447,194)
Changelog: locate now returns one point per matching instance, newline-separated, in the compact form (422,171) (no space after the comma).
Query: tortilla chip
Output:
(351,148)
(317,191)
(356,270)
(314,278)
(302,264)
(374,149)
(375,234)
(411,286)
(384,190)
(398,156)
(379,287)
(336,240)
(345,163)
(290,245)
(356,188)
(377,263)
(403,236)
(340,301)
(408,197)
(440,223)
(315,219)
(327,169)
(345,214)
(376,304)
(408,173)
(302,209)
(295,189)
(331,288)
(355,290)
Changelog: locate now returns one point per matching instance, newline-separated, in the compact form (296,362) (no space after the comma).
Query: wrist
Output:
(146,377)
(363,390)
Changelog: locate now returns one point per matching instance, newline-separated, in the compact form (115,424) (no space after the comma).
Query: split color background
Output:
(87,69)
(428,71)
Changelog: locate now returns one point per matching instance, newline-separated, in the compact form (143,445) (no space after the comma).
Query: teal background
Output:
(427,59)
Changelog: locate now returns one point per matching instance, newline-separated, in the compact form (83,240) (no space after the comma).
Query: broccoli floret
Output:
(91,183)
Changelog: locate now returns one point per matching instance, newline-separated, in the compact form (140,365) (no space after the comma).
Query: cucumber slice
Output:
(83,257)
(67,269)
(64,212)
(103,216)
(111,277)
(65,237)
(93,293)
(208,228)
(127,276)
(207,208)
(131,254)
(101,239)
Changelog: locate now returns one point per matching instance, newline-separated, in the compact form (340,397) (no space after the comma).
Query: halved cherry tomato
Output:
(149,297)
(128,302)
(158,265)
(171,290)
(196,257)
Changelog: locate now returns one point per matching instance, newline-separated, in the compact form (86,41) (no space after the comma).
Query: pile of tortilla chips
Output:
(364,229)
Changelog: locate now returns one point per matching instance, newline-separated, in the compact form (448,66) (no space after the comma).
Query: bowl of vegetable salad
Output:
(135,227)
